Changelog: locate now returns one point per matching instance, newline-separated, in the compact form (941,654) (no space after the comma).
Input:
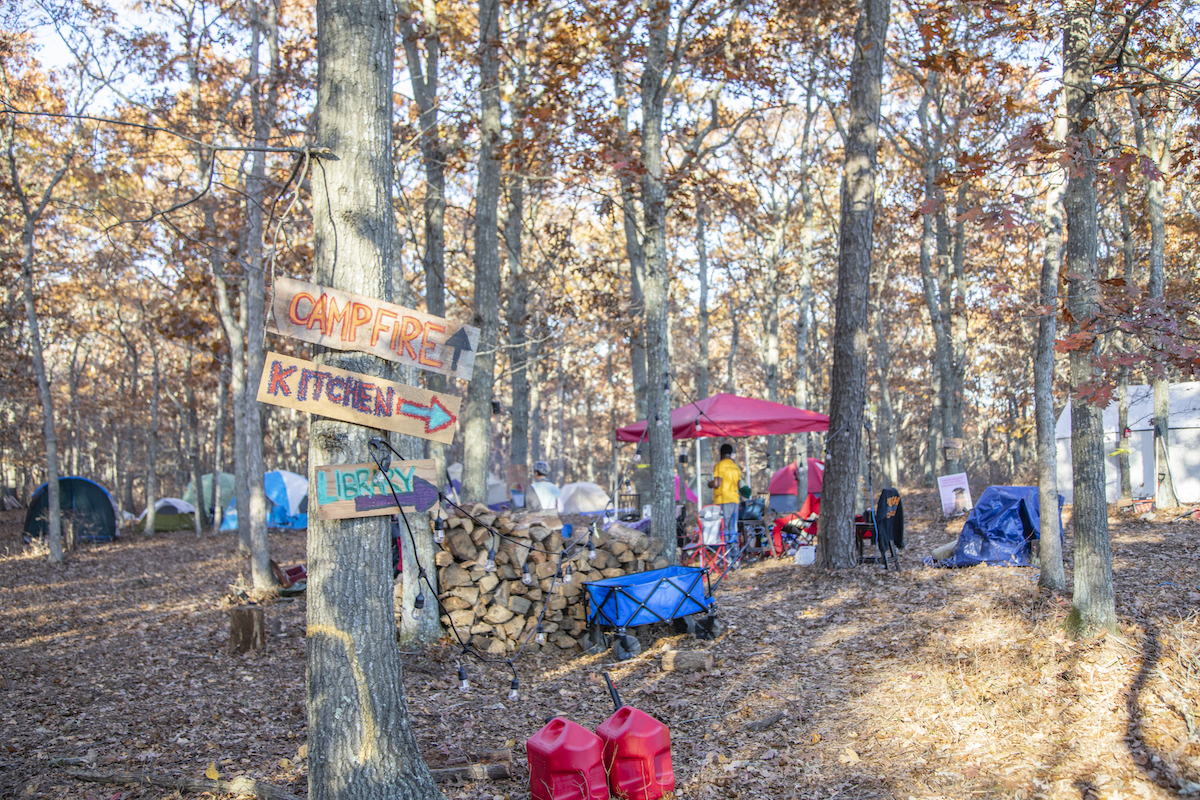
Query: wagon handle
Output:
(612,690)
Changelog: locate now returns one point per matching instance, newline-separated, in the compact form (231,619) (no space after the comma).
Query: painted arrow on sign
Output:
(424,496)
(459,342)
(435,415)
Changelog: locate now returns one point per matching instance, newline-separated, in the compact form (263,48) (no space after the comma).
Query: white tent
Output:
(1183,442)
(582,497)
(497,490)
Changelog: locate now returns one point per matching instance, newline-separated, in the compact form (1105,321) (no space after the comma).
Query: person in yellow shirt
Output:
(725,482)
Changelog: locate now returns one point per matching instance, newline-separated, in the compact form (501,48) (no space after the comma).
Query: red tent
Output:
(730,416)
(784,480)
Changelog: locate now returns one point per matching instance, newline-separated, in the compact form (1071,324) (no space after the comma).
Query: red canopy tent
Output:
(731,416)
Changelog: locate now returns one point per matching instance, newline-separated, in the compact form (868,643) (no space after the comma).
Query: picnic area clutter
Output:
(90,507)
(823,682)
(288,493)
(495,611)
(1000,529)
(1183,445)
(783,485)
(228,487)
(171,514)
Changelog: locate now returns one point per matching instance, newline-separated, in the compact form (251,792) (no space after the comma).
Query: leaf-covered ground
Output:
(925,683)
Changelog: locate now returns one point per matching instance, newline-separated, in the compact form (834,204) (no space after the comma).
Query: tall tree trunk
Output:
(218,466)
(1160,153)
(361,742)
(702,319)
(1093,605)
(657,287)
(774,298)
(264,92)
(1128,259)
(1052,576)
(808,258)
(634,246)
(152,437)
(477,413)
(425,77)
(884,418)
(194,448)
(848,388)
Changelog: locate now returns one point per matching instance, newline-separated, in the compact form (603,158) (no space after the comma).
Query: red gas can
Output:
(566,762)
(637,755)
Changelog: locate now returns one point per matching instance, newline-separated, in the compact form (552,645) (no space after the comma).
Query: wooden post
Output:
(247,630)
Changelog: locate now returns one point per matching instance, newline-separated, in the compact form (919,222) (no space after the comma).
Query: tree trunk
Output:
(152,438)
(1128,258)
(634,247)
(262,110)
(1093,607)
(425,80)
(1053,576)
(657,285)
(848,380)
(361,743)
(477,413)
(218,465)
(194,449)
(702,358)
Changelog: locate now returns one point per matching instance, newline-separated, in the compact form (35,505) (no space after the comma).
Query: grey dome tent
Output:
(89,505)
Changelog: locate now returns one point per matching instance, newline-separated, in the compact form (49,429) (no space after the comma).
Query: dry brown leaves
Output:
(925,684)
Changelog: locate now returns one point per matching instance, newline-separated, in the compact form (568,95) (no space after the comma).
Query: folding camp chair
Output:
(708,548)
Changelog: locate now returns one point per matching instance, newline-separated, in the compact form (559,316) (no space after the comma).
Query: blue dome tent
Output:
(288,493)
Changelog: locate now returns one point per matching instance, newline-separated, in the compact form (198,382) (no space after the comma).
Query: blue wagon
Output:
(659,595)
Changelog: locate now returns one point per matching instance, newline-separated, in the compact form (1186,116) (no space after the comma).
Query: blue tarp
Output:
(658,595)
(1000,528)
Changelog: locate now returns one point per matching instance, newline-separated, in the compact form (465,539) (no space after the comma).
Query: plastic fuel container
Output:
(566,762)
(637,755)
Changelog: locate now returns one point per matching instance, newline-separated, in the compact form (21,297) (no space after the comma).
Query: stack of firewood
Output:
(496,610)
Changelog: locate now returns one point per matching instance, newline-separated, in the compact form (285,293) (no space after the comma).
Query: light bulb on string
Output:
(418,605)
(439,530)
(526,578)
(591,549)
(541,635)
(464,685)
(490,564)
(513,691)
(567,574)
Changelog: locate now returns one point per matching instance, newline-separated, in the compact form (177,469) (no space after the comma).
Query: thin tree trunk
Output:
(152,438)
(1093,605)
(703,364)
(657,284)
(194,454)
(844,443)
(1052,576)
(218,466)
(477,413)
(361,742)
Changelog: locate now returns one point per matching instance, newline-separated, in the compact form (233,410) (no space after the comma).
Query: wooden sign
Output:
(346,321)
(344,491)
(361,399)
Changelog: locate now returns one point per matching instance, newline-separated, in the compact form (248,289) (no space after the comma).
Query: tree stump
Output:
(247,630)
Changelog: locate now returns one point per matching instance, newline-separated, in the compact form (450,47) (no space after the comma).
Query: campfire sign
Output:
(345,321)
(361,399)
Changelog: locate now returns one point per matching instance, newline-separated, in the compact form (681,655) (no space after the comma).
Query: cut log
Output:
(247,630)
(687,661)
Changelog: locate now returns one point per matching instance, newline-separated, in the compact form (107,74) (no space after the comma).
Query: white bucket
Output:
(806,554)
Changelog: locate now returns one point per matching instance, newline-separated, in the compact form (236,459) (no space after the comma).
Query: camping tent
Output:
(783,485)
(497,491)
(583,498)
(89,505)
(731,416)
(1001,528)
(227,489)
(172,514)
(288,493)
(1183,444)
